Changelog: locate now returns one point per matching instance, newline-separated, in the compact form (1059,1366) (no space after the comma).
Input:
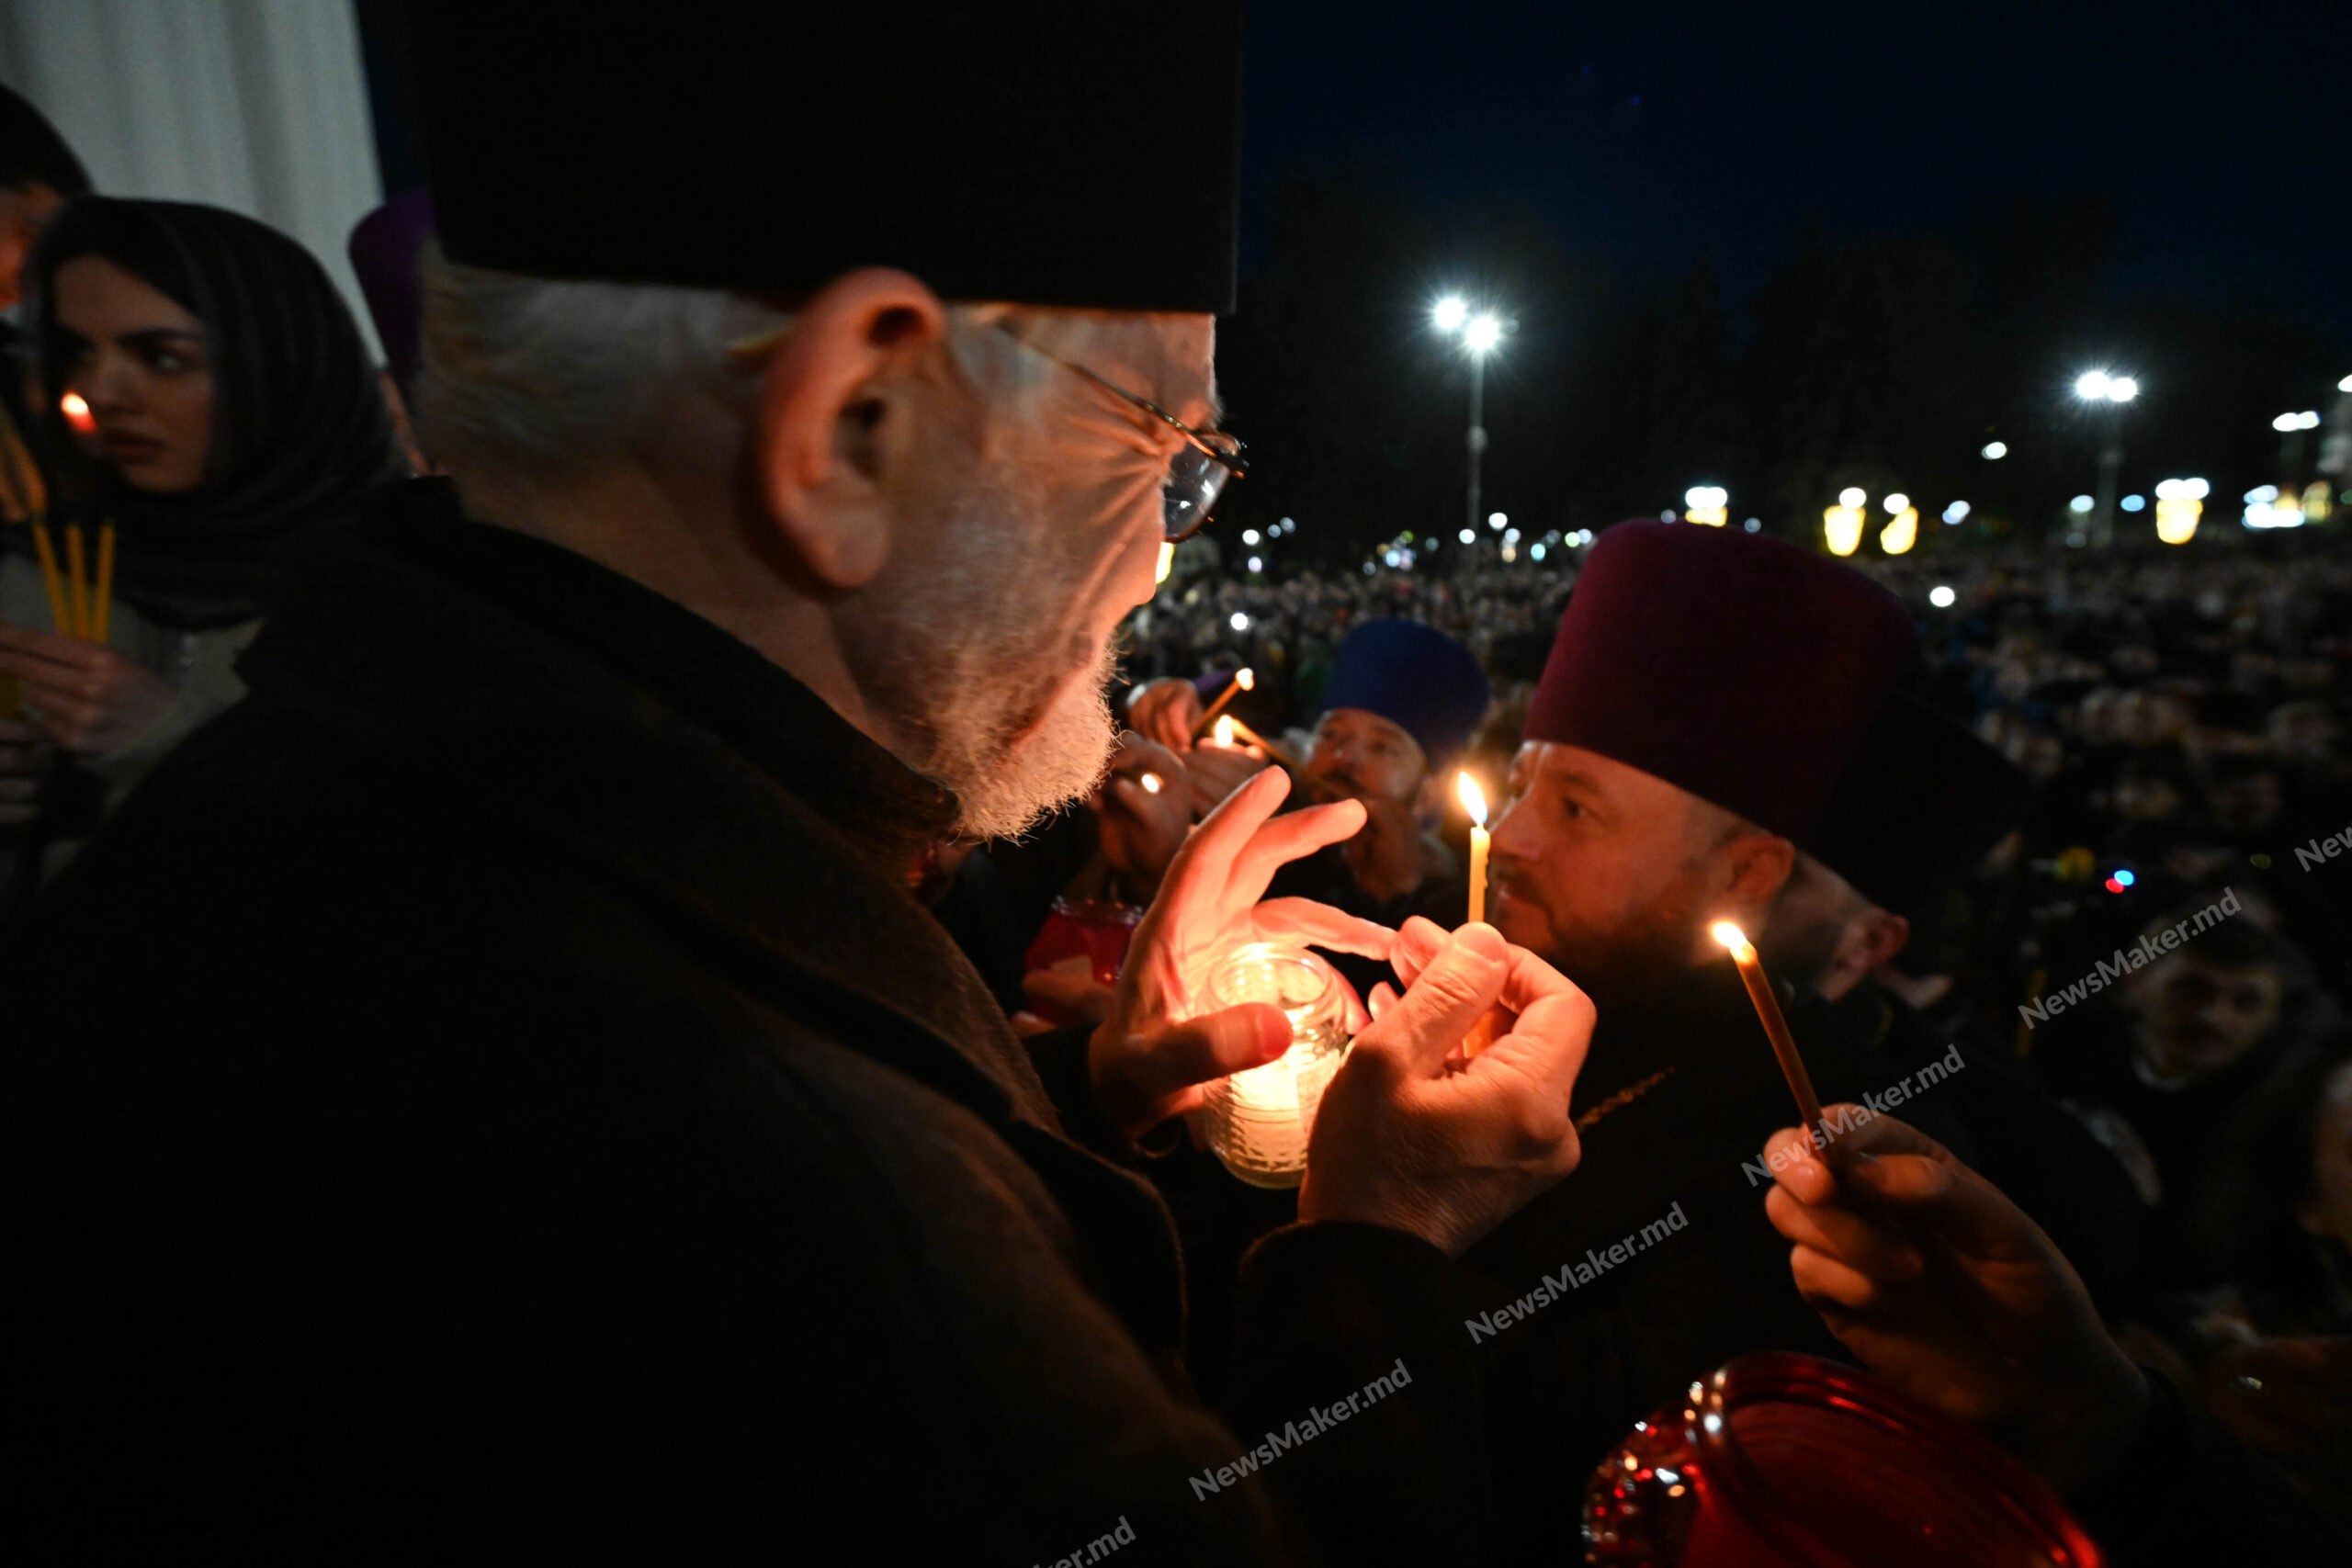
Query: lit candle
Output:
(77,413)
(1243,680)
(1150,782)
(1259,1121)
(1167,560)
(1225,729)
(1474,801)
(1767,1012)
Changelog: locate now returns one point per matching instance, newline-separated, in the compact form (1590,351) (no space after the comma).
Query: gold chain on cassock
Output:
(1624,1097)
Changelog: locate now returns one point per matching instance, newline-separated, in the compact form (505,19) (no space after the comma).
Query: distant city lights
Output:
(1898,502)
(1468,536)
(1257,564)
(1850,496)
(1754,525)
(2307,420)
(1996,451)
(2080,505)
(1956,512)
(2265,508)
(1249,536)
(1536,549)
(1240,623)
(1706,504)
(1480,334)
(1496,521)
(1448,314)
(1942,597)
(2179,503)
(2134,502)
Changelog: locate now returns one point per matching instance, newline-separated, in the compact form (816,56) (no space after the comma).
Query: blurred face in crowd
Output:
(2198,1018)
(1028,526)
(1613,875)
(1367,756)
(2326,1209)
(22,210)
(138,357)
(2304,732)
(2245,802)
(2149,718)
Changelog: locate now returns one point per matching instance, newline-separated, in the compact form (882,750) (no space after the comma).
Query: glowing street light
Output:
(1942,597)
(1481,335)
(1996,451)
(1956,512)
(1705,503)
(2307,420)
(1853,496)
(1902,530)
(2113,392)
(1842,524)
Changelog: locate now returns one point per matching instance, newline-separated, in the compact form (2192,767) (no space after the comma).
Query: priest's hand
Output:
(1167,710)
(1945,1289)
(88,699)
(1447,1152)
(1144,811)
(1216,771)
(1150,1057)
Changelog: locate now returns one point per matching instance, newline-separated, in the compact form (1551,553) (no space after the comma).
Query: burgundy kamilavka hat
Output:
(1738,667)
(1916,808)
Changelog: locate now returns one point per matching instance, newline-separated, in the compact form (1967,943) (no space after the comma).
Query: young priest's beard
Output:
(978,672)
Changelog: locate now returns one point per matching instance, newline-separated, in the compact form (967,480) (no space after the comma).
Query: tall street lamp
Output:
(1480,333)
(2108,393)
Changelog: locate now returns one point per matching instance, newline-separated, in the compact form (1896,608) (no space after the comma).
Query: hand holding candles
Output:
(1767,1012)
(1243,680)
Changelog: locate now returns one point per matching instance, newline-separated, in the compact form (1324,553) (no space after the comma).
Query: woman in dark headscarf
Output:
(234,420)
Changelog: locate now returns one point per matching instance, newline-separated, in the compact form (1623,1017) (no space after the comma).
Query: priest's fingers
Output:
(1412,1039)
(1825,1282)
(1861,1243)
(1292,835)
(1320,925)
(1160,1075)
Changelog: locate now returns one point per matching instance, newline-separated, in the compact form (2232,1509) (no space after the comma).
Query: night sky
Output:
(1658,133)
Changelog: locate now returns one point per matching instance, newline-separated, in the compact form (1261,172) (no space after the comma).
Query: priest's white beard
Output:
(979,650)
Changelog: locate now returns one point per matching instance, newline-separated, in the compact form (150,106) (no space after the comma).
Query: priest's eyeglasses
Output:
(1199,472)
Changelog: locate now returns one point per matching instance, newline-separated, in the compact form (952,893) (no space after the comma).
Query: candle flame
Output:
(1167,560)
(1246,678)
(1225,729)
(77,410)
(1474,799)
(1150,782)
(1731,936)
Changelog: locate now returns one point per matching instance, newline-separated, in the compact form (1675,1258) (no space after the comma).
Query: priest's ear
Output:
(837,418)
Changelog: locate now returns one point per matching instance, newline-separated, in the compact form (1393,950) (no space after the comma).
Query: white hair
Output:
(523,373)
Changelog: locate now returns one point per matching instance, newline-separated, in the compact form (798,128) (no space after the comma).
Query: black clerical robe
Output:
(492,1093)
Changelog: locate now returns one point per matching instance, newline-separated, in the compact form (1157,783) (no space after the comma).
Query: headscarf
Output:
(300,433)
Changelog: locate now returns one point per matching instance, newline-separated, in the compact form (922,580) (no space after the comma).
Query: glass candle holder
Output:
(1783,1460)
(1259,1122)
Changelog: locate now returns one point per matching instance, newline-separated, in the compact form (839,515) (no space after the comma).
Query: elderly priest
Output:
(490,1093)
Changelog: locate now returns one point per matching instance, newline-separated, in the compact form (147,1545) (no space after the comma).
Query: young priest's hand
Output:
(1144,811)
(1945,1289)
(1159,1045)
(1167,711)
(1448,1154)
(88,699)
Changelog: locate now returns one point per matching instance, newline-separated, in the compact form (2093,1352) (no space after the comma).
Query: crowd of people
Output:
(590,963)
